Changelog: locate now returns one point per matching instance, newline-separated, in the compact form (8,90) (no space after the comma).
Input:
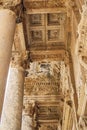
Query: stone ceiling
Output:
(46,29)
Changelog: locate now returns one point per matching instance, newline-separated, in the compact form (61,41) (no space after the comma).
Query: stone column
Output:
(12,108)
(7,28)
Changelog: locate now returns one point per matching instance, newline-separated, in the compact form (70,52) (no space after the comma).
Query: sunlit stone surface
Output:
(12,108)
(7,28)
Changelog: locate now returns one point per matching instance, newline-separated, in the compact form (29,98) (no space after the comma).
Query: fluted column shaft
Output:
(7,29)
(13,103)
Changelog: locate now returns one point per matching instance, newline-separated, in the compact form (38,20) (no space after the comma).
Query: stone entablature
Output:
(44,4)
(9,3)
(47,55)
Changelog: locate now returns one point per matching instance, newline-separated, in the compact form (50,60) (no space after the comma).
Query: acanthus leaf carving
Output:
(19,59)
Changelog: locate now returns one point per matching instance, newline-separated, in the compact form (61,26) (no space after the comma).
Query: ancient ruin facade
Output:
(43,65)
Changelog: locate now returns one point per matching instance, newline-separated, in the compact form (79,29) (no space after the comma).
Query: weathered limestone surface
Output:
(9,3)
(7,28)
(82,38)
(12,110)
(19,40)
(26,122)
(48,30)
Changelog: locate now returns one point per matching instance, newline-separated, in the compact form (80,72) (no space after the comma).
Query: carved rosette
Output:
(19,60)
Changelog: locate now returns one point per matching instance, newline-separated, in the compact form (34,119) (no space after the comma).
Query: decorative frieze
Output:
(9,3)
(44,4)
(48,126)
(49,113)
(55,3)
(43,89)
(47,55)
(49,78)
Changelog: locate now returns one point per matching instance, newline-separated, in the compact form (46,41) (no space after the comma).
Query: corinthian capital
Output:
(19,60)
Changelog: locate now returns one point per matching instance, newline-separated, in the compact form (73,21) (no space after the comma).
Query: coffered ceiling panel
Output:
(47,31)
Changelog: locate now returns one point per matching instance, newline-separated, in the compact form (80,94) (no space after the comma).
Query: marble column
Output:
(13,103)
(7,29)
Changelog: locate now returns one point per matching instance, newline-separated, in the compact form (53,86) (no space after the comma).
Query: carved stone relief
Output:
(55,3)
(49,113)
(46,80)
(43,112)
(82,54)
(9,3)
(53,34)
(45,88)
(35,4)
(44,4)
(38,56)
(82,38)
(56,18)
(35,20)
(48,126)
(18,59)
(36,35)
